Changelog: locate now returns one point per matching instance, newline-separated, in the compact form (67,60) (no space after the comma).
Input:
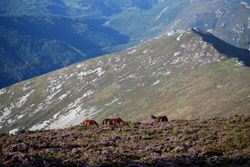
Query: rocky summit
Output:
(185,76)
(216,141)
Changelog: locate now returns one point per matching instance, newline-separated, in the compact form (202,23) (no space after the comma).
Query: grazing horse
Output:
(119,120)
(160,119)
(105,121)
(110,122)
(89,122)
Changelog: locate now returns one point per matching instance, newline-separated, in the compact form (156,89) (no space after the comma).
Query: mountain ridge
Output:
(63,32)
(181,76)
(223,48)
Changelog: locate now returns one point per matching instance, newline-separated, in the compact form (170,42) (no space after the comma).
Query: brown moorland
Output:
(216,141)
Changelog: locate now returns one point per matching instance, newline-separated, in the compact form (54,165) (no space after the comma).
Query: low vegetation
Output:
(216,141)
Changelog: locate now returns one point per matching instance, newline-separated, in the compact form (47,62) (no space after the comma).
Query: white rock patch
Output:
(2,91)
(179,37)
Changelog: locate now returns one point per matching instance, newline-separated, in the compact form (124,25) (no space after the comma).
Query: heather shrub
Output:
(133,125)
(201,126)
(231,121)
(211,151)
(80,129)
(211,142)
(175,133)
(147,137)
(186,131)
(246,118)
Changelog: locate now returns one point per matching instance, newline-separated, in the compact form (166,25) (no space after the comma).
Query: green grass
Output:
(228,65)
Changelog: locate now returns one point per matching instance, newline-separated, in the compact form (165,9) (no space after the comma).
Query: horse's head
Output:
(153,117)
(85,122)
(119,120)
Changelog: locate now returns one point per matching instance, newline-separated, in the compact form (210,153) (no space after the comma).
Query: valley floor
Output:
(218,141)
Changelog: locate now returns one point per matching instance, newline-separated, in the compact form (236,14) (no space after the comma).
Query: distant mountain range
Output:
(37,37)
(184,76)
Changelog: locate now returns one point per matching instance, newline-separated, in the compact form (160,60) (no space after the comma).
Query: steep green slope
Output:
(181,76)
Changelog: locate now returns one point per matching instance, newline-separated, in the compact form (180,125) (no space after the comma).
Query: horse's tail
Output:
(103,122)
(153,117)
(95,123)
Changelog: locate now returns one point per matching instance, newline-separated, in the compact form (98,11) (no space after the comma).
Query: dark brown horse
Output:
(89,122)
(110,122)
(160,119)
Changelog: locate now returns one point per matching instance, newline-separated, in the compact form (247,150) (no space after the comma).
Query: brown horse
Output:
(160,119)
(105,121)
(119,120)
(110,122)
(89,122)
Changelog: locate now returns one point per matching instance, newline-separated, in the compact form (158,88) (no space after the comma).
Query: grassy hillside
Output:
(182,76)
(216,141)
(187,79)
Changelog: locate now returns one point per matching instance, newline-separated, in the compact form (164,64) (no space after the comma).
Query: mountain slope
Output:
(181,76)
(31,46)
(37,37)
(230,22)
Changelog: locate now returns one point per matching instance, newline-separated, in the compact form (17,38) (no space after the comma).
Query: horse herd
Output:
(119,121)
